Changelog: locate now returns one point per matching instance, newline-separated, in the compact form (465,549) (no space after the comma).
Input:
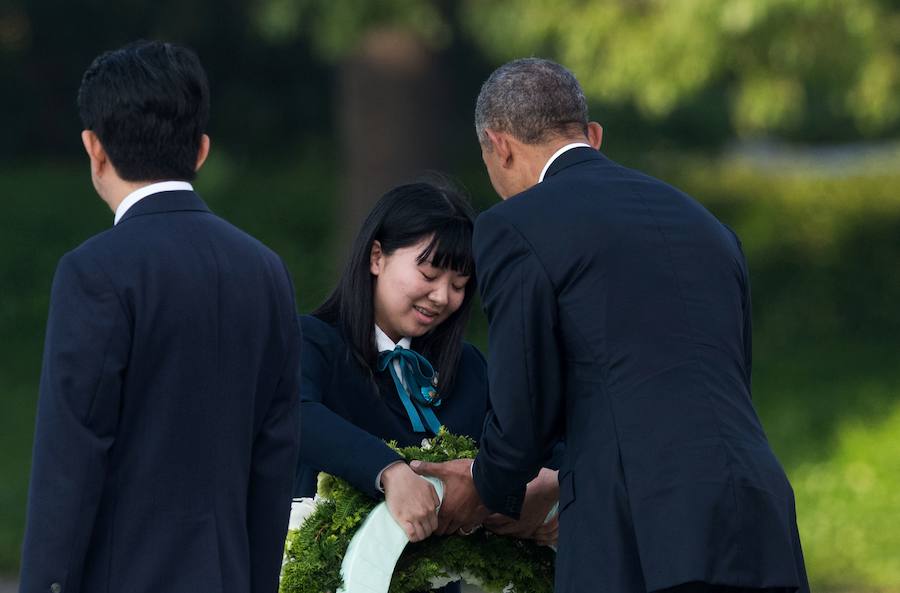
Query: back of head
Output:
(533,99)
(148,103)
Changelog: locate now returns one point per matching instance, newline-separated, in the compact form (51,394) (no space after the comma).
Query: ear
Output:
(500,146)
(376,258)
(95,151)
(595,134)
(203,152)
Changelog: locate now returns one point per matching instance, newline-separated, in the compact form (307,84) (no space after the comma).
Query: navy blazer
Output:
(346,417)
(166,426)
(619,314)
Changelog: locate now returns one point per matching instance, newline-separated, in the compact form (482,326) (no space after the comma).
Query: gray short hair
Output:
(533,99)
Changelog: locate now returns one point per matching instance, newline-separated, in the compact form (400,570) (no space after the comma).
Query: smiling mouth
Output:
(426,312)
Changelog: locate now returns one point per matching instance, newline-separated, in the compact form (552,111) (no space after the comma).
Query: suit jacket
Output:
(166,424)
(346,418)
(619,314)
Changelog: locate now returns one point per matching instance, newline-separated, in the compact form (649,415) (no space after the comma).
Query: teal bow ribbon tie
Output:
(421,395)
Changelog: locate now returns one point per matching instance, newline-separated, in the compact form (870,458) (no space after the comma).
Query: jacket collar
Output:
(167,201)
(572,157)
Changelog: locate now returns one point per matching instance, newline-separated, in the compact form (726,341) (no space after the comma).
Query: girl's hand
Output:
(411,500)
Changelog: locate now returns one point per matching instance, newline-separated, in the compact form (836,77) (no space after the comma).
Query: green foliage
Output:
(445,446)
(335,27)
(314,552)
(491,560)
(798,68)
(849,506)
(778,63)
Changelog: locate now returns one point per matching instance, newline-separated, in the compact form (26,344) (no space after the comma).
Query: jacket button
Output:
(55,588)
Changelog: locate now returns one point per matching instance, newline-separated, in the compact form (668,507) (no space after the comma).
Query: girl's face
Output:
(413,298)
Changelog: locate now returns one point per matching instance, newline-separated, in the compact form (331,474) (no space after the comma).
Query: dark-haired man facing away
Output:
(166,430)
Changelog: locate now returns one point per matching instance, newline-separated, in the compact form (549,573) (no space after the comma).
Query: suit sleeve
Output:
(524,373)
(86,352)
(329,442)
(273,459)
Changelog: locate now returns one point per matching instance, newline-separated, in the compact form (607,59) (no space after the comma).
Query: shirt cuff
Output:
(378,485)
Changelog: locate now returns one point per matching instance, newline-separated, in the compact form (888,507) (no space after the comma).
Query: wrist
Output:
(547,484)
(391,473)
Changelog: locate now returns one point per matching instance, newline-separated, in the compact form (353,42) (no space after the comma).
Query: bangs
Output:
(451,248)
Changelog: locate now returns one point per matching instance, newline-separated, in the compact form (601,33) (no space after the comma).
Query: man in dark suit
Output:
(619,314)
(166,434)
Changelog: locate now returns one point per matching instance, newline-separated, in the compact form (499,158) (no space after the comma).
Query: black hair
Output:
(404,216)
(148,103)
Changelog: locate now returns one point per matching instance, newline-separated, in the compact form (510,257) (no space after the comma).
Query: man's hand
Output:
(461,509)
(411,500)
(541,494)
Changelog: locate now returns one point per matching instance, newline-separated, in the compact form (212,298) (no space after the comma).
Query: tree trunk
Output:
(390,120)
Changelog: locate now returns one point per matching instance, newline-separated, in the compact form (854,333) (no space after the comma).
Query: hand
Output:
(411,500)
(548,533)
(462,508)
(541,494)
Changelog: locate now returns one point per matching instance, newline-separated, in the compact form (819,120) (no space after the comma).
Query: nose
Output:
(440,293)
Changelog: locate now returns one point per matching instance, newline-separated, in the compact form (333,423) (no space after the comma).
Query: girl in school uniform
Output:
(383,358)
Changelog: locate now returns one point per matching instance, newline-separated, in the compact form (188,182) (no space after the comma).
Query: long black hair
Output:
(404,216)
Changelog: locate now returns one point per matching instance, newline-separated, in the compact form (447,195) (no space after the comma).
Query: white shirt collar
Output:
(142,192)
(556,155)
(383,342)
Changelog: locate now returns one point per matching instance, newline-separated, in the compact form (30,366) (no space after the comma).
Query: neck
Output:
(549,149)
(536,156)
(118,190)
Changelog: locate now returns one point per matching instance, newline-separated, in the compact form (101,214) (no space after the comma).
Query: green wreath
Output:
(315,551)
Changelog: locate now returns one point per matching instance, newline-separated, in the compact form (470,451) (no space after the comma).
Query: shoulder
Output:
(94,247)
(91,257)
(325,355)
(240,240)
(240,234)
(505,236)
(521,216)
(734,236)
(502,222)
(323,338)
(319,331)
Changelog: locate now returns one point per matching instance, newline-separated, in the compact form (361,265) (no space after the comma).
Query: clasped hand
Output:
(411,500)
(462,510)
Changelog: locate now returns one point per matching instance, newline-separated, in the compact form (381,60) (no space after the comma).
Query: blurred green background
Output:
(781,116)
